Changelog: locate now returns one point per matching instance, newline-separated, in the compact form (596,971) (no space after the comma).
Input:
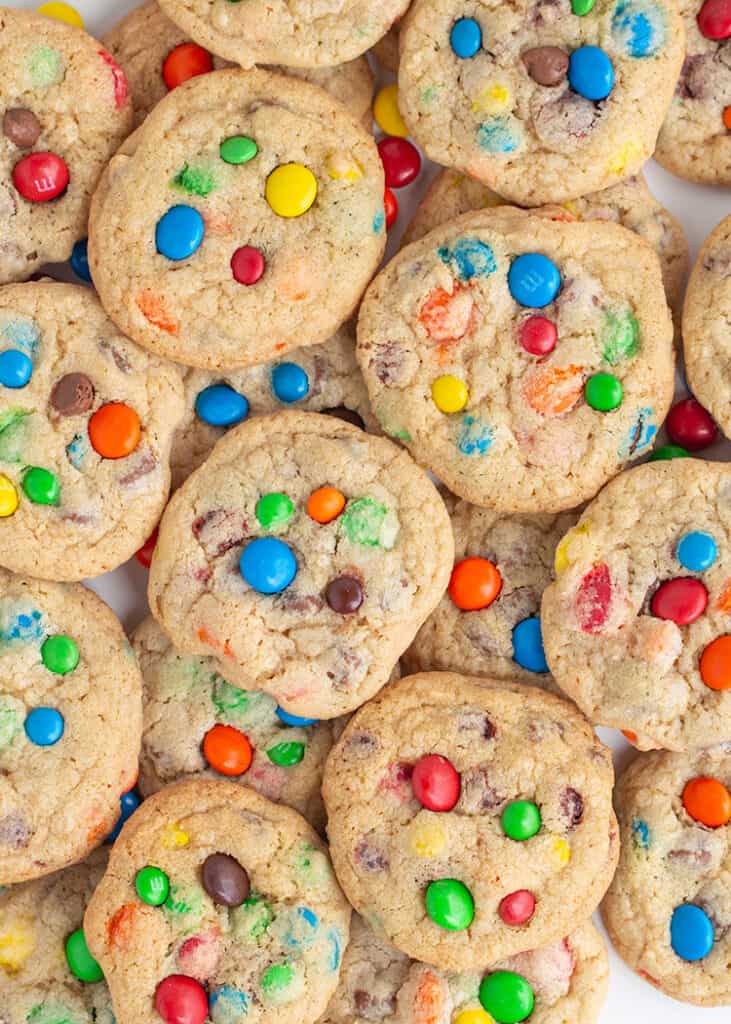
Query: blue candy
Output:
(691,932)
(697,551)
(528,645)
(290,382)
(221,406)
(268,565)
(128,804)
(591,73)
(294,720)
(533,280)
(228,1005)
(15,368)
(44,726)
(80,261)
(179,232)
(466,38)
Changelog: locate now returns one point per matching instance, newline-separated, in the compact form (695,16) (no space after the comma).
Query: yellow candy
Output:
(62,12)
(494,98)
(560,853)
(17,942)
(291,190)
(174,837)
(473,1017)
(387,114)
(450,394)
(630,152)
(428,840)
(8,497)
(561,559)
(343,167)
(571,207)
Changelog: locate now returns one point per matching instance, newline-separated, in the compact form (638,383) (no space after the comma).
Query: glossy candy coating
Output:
(60,654)
(325,504)
(603,392)
(401,161)
(449,393)
(15,368)
(691,932)
(80,961)
(152,886)
(221,406)
(247,265)
(114,430)
(225,880)
(708,801)
(538,335)
(465,38)
(449,904)
(40,177)
(268,565)
(696,551)
(715,664)
(517,908)
(44,726)
(435,782)
(238,149)
(474,584)
(528,645)
(291,189)
(690,426)
(181,1000)
(274,509)
(590,73)
(682,600)
(534,280)
(8,497)
(344,594)
(179,232)
(80,260)
(184,62)
(507,997)
(387,114)
(290,382)
(227,750)
(520,820)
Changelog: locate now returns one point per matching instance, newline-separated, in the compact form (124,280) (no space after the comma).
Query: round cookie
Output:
(217,897)
(635,627)
(695,139)
(537,101)
(706,317)
(86,426)
(39,922)
(568,981)
(157,56)
(525,361)
(188,705)
(64,112)
(493,830)
(630,203)
(304,554)
(668,910)
(332,383)
(298,33)
(488,622)
(243,219)
(70,724)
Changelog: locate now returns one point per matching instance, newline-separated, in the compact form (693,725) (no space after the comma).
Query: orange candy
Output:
(227,750)
(727,117)
(429,1000)
(447,316)
(153,310)
(474,584)
(708,801)
(724,598)
(715,664)
(631,736)
(325,504)
(114,430)
(553,390)
(184,62)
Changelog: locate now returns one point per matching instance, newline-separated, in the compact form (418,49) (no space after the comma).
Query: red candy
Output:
(401,161)
(518,907)
(435,782)
(40,177)
(118,77)
(390,206)
(689,425)
(593,599)
(181,1000)
(247,265)
(538,335)
(186,61)
(681,600)
(714,19)
(144,555)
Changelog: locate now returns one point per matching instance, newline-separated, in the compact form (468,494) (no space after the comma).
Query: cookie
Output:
(157,56)
(525,361)
(218,904)
(64,112)
(470,822)
(668,910)
(243,219)
(630,203)
(304,555)
(488,623)
(566,981)
(329,381)
(705,325)
(48,975)
(70,724)
(635,627)
(542,100)
(195,721)
(694,141)
(298,33)
(86,426)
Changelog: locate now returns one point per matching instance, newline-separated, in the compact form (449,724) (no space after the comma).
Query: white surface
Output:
(699,208)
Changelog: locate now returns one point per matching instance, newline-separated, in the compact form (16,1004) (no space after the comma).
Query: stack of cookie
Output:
(346,771)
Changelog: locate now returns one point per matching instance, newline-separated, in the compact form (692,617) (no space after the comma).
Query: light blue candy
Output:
(466,38)
(691,932)
(128,804)
(697,551)
(528,645)
(228,1004)
(15,368)
(80,260)
(268,565)
(591,74)
(290,382)
(44,726)
(294,720)
(533,280)
(179,232)
(221,406)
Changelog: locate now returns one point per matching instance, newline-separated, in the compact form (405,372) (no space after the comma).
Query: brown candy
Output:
(73,394)
(225,881)
(344,595)
(546,65)
(21,126)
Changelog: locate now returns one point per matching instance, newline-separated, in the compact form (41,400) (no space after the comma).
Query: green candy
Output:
(582,7)
(195,181)
(253,918)
(280,984)
(507,997)
(520,820)
(50,1012)
(239,149)
(12,434)
(273,510)
(81,963)
(362,522)
(669,451)
(449,904)
(286,754)
(46,66)
(603,392)
(41,486)
(60,654)
(621,337)
(226,697)
(152,886)
(9,722)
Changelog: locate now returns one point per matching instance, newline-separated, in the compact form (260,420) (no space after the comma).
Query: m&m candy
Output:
(225,880)
(714,19)
(179,232)
(227,750)
(696,551)
(8,497)
(707,800)
(221,406)
(518,907)
(60,654)
(41,486)
(715,664)
(238,149)
(290,382)
(449,904)
(690,426)
(325,504)
(152,885)
(603,392)
(181,1000)
(286,754)
(435,782)
(40,177)
(507,997)
(682,600)
(538,335)
(128,804)
(186,61)
(291,189)
(344,594)
(390,207)
(80,260)
(294,720)
(15,368)
(81,963)
(449,393)
(114,430)
(474,584)
(528,649)
(401,161)
(520,820)
(268,565)
(387,114)
(247,265)
(533,280)
(44,726)
(691,932)
(465,38)
(591,73)
(274,509)
(669,451)
(62,12)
